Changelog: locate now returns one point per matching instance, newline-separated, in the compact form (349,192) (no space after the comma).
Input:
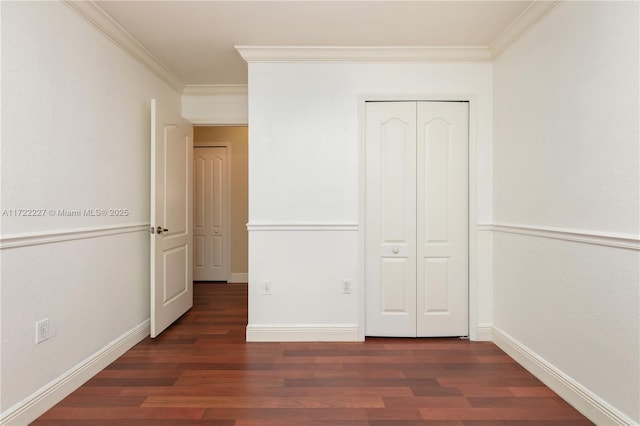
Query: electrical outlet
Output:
(266,288)
(346,286)
(42,330)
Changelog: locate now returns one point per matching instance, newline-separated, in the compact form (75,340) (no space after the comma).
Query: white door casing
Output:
(416,219)
(211,222)
(171,216)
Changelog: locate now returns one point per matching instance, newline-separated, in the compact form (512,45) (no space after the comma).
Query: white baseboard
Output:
(581,398)
(302,333)
(484,333)
(55,391)
(239,277)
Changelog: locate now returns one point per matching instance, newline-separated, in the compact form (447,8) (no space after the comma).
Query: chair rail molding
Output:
(609,239)
(47,237)
(252,227)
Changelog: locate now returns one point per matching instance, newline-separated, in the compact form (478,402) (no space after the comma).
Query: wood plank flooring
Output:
(202,372)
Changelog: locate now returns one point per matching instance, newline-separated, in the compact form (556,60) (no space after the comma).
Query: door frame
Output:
(227,246)
(473,195)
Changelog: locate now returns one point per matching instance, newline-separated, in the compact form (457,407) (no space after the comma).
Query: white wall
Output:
(565,160)
(304,167)
(75,135)
(215,104)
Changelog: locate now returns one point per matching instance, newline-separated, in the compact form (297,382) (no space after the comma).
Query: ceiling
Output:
(196,39)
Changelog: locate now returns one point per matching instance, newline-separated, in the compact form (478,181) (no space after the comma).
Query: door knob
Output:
(160,230)
(395,250)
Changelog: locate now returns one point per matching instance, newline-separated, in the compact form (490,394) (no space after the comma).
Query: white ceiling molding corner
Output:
(215,89)
(362,53)
(520,25)
(97,17)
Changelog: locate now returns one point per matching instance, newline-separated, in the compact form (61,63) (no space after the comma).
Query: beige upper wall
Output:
(237,137)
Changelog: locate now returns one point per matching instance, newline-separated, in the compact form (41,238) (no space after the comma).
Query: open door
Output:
(171,215)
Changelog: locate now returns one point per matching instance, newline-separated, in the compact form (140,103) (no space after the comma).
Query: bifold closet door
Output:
(416,219)
(443,219)
(390,219)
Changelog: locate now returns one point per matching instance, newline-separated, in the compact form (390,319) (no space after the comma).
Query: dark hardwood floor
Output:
(201,372)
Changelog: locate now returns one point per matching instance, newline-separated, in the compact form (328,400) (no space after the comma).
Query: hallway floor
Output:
(201,371)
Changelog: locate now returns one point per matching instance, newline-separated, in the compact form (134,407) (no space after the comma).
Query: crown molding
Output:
(526,20)
(103,22)
(363,53)
(215,89)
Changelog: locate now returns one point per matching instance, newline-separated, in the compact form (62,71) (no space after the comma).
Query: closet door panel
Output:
(390,219)
(442,226)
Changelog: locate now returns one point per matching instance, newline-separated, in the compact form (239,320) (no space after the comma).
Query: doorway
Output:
(235,140)
(416,219)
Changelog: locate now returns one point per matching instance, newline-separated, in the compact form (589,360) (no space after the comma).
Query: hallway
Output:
(201,371)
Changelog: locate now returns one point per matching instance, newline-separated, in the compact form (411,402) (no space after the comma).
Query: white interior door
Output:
(443,219)
(416,226)
(210,232)
(171,213)
(390,218)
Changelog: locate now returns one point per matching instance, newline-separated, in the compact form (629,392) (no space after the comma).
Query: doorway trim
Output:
(227,146)
(473,219)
